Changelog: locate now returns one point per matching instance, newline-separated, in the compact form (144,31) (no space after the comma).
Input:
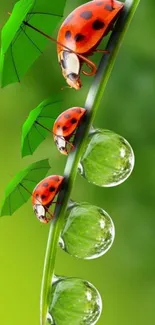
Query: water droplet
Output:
(88,231)
(108,159)
(74,301)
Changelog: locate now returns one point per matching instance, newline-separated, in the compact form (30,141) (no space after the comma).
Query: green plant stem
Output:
(92,102)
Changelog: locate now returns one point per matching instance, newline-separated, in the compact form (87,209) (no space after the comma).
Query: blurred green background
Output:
(125,276)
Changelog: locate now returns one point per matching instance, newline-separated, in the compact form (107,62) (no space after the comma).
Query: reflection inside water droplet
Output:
(108,159)
(61,243)
(49,319)
(74,301)
(88,231)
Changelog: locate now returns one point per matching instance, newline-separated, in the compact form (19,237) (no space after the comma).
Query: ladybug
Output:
(65,126)
(80,35)
(43,196)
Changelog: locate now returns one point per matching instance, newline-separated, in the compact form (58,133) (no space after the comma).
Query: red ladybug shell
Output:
(68,121)
(84,28)
(46,190)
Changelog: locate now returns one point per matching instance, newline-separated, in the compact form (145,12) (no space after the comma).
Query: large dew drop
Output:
(74,302)
(108,159)
(88,231)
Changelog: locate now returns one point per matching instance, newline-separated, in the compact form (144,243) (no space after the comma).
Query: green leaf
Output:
(21,45)
(74,301)
(39,124)
(107,160)
(88,231)
(20,188)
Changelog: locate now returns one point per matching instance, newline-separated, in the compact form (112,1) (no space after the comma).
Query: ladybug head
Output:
(40,212)
(73,81)
(61,144)
(70,65)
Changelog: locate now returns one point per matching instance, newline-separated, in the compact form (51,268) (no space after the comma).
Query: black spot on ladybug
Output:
(86,15)
(98,24)
(99,3)
(68,34)
(79,37)
(68,19)
(77,110)
(55,178)
(43,197)
(45,185)
(37,196)
(58,126)
(52,189)
(64,128)
(108,7)
(63,64)
(67,116)
(73,120)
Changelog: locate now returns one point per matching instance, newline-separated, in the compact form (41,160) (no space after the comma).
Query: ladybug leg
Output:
(72,147)
(91,65)
(66,87)
(102,51)
(69,143)
(49,212)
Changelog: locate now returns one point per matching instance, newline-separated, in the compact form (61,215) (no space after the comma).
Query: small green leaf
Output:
(108,159)
(88,231)
(74,301)
(20,188)
(39,124)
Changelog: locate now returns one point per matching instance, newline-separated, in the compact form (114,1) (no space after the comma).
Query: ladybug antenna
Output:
(66,87)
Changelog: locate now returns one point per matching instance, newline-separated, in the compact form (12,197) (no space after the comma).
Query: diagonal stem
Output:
(92,103)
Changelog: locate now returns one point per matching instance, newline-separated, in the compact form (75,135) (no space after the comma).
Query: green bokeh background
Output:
(125,276)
